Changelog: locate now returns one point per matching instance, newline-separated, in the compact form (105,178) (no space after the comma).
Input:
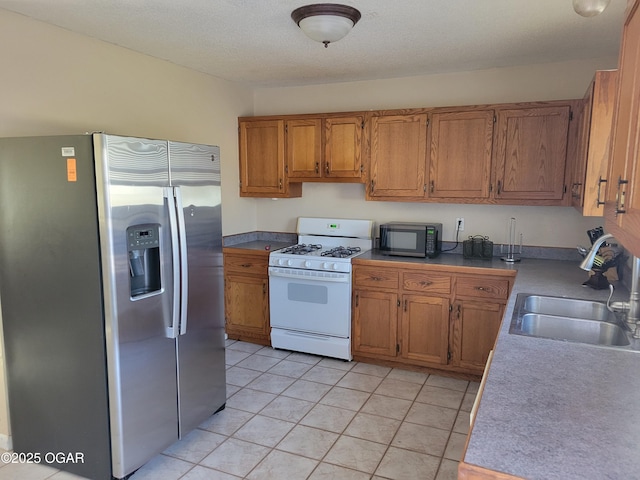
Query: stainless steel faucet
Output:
(630,309)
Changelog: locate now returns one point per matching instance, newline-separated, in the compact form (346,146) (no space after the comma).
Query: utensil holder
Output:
(477,247)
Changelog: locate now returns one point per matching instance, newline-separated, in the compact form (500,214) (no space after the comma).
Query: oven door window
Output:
(300,292)
(311,305)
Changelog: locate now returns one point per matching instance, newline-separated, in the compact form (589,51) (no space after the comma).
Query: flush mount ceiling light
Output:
(590,8)
(325,22)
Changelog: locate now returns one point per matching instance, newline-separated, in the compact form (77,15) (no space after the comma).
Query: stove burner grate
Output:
(302,249)
(341,252)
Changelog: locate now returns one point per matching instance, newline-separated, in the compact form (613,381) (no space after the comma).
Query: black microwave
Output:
(410,239)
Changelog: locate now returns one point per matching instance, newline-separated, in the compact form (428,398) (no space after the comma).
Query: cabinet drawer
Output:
(426,282)
(483,287)
(376,277)
(250,264)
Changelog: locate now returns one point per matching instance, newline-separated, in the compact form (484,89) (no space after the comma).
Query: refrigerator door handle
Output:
(172,330)
(184,268)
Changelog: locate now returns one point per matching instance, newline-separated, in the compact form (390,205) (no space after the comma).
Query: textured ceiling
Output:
(256,43)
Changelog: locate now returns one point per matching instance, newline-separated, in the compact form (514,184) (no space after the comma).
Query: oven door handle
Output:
(310,275)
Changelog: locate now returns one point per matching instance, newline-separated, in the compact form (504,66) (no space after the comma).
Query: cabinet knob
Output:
(327,167)
(499,187)
(317,167)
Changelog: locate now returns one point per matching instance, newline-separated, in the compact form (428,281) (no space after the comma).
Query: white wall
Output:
(55,82)
(540,226)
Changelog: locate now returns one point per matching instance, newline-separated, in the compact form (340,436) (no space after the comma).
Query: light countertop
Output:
(558,410)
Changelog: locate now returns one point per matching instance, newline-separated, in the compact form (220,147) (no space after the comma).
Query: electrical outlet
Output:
(460,224)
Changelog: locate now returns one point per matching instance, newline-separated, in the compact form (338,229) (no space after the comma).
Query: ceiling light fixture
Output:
(326,22)
(590,8)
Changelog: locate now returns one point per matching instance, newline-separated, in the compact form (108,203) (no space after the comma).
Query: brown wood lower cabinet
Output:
(425,315)
(246,295)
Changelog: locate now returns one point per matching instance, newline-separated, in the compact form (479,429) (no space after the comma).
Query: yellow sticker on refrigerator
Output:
(72,173)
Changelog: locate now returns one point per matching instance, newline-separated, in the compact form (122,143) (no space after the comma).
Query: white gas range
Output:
(310,286)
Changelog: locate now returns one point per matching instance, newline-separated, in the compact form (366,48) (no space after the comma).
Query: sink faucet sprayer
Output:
(630,309)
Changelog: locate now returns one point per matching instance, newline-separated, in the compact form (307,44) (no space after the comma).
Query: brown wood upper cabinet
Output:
(460,154)
(263,171)
(531,153)
(398,152)
(505,154)
(589,179)
(622,208)
(325,149)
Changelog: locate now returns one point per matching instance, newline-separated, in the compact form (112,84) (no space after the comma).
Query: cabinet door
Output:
(531,153)
(622,210)
(304,144)
(590,168)
(247,306)
(262,162)
(425,329)
(460,154)
(475,328)
(375,323)
(343,147)
(398,157)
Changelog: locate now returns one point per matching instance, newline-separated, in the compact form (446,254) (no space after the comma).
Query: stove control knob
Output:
(289,263)
(335,266)
(280,261)
(307,264)
(325,265)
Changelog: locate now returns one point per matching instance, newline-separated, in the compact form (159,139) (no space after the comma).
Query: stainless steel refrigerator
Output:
(111,294)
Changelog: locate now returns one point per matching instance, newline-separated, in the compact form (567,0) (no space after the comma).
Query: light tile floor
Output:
(297,416)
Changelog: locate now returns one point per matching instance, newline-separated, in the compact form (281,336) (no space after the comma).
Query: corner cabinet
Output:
(476,318)
(622,208)
(246,295)
(424,315)
(263,170)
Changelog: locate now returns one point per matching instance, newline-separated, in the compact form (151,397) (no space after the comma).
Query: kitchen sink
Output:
(566,307)
(594,332)
(568,319)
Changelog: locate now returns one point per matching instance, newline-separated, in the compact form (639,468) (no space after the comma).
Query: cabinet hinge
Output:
(565,189)
(570,115)
(450,308)
(361,168)
(398,302)
(240,182)
(449,355)
(495,119)
(362,125)
(427,121)
(286,169)
(397,348)
(286,129)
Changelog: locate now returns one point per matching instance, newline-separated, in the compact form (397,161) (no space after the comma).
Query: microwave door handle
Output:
(184,267)
(172,330)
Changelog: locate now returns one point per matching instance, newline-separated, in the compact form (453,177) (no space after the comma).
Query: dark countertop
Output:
(264,245)
(444,259)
